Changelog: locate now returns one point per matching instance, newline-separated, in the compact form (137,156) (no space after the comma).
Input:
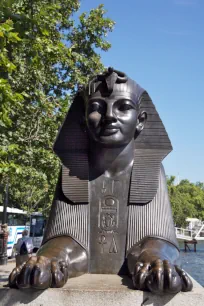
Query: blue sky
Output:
(160,44)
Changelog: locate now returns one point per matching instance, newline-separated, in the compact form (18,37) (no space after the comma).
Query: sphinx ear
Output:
(142,118)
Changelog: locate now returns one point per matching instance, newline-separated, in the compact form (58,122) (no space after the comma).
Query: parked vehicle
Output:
(37,227)
(17,221)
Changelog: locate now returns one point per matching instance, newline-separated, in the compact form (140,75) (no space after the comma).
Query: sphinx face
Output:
(112,120)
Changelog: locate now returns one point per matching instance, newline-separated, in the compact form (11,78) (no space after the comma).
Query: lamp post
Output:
(4,232)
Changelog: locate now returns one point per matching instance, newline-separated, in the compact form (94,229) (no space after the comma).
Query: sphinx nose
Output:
(109,115)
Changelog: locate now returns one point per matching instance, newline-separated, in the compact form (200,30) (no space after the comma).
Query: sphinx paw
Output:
(186,282)
(59,273)
(40,273)
(161,277)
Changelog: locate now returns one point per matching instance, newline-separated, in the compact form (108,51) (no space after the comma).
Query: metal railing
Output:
(183,233)
(187,234)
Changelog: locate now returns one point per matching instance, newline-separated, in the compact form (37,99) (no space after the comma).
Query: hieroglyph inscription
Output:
(108,218)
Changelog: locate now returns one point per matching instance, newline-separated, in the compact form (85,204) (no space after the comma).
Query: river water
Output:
(193,262)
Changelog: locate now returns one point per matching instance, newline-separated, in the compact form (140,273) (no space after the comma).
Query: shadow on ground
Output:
(21,296)
(148,297)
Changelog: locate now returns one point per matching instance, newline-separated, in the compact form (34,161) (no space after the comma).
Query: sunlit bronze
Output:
(111,211)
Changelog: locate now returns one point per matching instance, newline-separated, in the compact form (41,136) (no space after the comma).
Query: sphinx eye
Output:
(95,107)
(124,107)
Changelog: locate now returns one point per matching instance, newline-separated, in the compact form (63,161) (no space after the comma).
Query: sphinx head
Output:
(112,111)
(130,107)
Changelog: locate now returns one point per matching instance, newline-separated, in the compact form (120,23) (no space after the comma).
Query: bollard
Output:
(3,244)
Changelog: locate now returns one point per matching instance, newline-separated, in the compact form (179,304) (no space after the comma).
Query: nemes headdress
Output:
(151,145)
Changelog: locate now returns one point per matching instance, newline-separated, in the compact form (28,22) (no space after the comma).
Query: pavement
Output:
(5,270)
(93,290)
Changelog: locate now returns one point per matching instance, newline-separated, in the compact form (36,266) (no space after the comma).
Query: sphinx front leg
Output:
(56,261)
(154,266)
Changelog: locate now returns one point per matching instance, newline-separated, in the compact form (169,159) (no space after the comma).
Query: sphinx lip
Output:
(109,127)
(109,131)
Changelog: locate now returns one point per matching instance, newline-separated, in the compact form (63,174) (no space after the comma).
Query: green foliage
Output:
(187,200)
(8,97)
(46,52)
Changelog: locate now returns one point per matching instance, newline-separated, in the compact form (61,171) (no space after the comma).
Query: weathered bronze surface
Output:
(111,211)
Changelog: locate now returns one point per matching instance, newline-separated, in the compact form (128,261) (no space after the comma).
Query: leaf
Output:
(18,170)
(45,32)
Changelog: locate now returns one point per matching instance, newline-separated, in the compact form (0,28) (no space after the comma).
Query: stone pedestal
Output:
(98,290)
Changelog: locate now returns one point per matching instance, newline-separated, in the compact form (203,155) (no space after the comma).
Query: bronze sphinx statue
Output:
(111,212)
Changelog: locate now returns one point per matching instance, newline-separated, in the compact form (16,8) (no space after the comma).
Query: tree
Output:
(187,200)
(45,54)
